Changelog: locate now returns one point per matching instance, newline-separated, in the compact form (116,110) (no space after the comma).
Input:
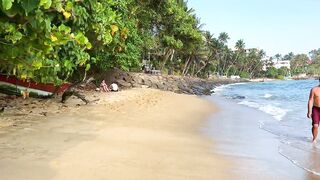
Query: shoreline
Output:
(254,151)
(141,133)
(144,133)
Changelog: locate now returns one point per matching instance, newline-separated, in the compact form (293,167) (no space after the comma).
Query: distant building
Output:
(269,62)
(280,64)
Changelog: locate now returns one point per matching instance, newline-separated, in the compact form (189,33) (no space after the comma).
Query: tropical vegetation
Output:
(55,40)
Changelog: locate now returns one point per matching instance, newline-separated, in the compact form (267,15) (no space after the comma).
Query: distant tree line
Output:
(308,64)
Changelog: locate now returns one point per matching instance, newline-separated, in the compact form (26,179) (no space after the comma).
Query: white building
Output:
(280,64)
(275,63)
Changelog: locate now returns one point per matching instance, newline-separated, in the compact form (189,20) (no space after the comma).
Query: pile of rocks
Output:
(186,85)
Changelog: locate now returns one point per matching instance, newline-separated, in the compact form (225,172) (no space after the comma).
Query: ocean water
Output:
(286,103)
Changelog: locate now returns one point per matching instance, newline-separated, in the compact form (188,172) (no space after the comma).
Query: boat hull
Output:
(14,86)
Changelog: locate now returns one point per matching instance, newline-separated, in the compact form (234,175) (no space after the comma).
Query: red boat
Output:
(13,85)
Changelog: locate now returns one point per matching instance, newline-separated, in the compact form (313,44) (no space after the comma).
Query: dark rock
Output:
(44,113)
(154,85)
(238,97)
(136,85)
(187,85)
(124,84)
(148,82)
(138,80)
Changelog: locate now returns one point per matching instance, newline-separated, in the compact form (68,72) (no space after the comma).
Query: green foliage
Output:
(299,63)
(47,40)
(7,4)
(272,72)
(283,71)
(281,77)
(29,5)
(244,75)
(314,68)
(51,40)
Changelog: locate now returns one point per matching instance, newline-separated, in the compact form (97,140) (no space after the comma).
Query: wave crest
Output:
(277,112)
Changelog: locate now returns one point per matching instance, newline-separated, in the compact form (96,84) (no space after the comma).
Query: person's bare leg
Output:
(315,132)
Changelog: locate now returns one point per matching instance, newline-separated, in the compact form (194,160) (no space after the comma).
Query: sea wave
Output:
(277,112)
(250,104)
(225,86)
(220,88)
(267,95)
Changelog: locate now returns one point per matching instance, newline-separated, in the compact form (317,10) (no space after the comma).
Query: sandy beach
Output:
(139,134)
(133,134)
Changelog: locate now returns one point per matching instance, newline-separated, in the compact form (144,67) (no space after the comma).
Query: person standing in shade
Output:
(314,110)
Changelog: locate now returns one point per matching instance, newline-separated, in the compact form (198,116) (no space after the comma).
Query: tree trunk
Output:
(224,64)
(166,57)
(186,65)
(193,67)
(205,65)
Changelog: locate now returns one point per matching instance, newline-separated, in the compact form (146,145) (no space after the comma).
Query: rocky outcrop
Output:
(177,84)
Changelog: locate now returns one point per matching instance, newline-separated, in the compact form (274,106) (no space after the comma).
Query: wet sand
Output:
(134,134)
(254,151)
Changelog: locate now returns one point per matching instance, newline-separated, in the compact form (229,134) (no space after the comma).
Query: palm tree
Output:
(223,37)
(278,57)
(240,45)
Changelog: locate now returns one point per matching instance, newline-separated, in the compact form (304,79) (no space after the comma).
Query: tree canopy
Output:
(50,40)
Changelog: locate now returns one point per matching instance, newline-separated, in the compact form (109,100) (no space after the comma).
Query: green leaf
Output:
(37,64)
(65,29)
(7,4)
(81,39)
(88,45)
(69,6)
(45,3)
(12,11)
(88,67)
(29,5)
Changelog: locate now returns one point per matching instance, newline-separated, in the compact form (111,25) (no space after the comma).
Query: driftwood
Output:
(73,91)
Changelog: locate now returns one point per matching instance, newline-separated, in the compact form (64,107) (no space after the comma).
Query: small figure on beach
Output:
(114,87)
(104,86)
(314,110)
(25,94)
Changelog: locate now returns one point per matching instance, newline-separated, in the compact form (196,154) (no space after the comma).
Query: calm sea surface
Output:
(286,102)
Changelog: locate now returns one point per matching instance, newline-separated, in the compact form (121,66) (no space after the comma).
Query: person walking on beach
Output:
(314,110)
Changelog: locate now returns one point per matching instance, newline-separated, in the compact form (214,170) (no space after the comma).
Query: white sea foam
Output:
(276,112)
(220,88)
(250,104)
(267,95)
(225,86)
(239,83)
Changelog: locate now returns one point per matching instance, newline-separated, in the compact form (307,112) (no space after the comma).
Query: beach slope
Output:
(134,134)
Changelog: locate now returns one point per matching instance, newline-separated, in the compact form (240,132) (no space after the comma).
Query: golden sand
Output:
(133,134)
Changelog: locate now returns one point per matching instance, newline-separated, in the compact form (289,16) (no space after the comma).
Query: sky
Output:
(276,26)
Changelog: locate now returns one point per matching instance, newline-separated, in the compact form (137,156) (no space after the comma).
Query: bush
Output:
(244,75)
(272,72)
(280,77)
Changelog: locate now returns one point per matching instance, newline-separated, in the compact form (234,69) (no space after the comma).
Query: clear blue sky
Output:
(277,26)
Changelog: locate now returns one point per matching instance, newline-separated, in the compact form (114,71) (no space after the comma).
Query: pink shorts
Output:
(315,115)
